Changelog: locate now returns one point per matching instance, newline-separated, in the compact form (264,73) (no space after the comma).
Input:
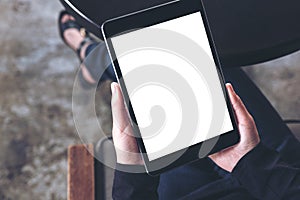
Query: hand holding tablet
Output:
(169,73)
(226,159)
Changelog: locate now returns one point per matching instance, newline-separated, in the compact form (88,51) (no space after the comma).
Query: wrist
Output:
(244,154)
(129,158)
(134,169)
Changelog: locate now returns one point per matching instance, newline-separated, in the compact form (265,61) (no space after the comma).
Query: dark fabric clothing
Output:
(98,64)
(267,176)
(90,48)
(213,182)
(204,175)
(191,176)
(252,178)
(273,133)
(136,182)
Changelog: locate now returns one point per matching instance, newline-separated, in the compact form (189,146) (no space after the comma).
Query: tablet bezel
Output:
(143,19)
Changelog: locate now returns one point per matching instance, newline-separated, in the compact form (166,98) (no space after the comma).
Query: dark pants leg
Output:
(273,132)
(98,64)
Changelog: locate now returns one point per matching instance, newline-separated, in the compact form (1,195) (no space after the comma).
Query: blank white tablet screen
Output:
(157,105)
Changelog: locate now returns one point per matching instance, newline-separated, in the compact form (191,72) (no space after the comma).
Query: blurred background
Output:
(37,73)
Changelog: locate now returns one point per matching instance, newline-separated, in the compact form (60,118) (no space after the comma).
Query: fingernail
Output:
(230,87)
(113,88)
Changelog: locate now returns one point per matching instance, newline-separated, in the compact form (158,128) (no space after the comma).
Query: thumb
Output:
(240,110)
(119,112)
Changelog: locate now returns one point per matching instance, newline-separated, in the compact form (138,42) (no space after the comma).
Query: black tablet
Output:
(167,66)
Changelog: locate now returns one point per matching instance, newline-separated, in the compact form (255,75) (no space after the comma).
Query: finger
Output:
(119,112)
(240,110)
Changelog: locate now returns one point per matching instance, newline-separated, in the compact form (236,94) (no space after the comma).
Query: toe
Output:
(66,18)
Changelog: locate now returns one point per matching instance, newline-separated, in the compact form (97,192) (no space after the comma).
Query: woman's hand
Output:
(127,149)
(228,158)
(124,142)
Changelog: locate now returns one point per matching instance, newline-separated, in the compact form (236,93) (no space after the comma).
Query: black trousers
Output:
(274,133)
(204,173)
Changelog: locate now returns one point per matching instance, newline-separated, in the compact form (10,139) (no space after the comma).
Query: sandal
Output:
(72,24)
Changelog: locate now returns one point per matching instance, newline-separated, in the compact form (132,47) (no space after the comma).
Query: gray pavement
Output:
(37,74)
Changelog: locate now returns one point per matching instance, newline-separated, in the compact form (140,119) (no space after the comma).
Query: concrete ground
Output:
(37,74)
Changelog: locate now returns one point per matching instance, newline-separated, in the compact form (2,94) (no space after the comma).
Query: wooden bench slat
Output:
(81,174)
